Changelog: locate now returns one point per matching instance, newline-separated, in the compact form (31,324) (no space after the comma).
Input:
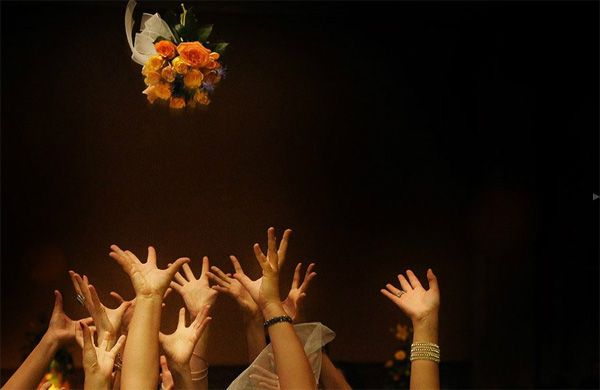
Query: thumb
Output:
(58,302)
(432,279)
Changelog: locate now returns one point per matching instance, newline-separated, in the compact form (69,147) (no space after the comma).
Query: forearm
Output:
(140,357)
(331,377)
(425,373)
(30,373)
(198,362)
(255,334)
(94,382)
(182,376)
(292,364)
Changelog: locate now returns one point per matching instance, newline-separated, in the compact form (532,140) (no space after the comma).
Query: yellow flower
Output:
(201,97)
(193,79)
(180,66)
(389,363)
(402,332)
(154,63)
(168,74)
(400,355)
(150,93)
(177,102)
(152,78)
(163,90)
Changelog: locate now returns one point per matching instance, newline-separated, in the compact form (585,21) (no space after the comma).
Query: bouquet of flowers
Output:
(180,65)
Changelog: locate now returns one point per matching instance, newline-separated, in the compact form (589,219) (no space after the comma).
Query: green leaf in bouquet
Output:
(204,32)
(220,47)
(185,33)
(190,21)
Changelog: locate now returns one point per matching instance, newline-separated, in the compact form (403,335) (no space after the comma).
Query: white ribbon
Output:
(152,27)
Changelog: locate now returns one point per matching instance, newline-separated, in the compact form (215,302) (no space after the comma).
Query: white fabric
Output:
(152,27)
(313,336)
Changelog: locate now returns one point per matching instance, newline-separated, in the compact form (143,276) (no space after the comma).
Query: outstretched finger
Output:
(308,276)
(205,266)
(217,279)
(404,283)
(245,282)
(58,303)
(391,296)
(75,283)
(432,279)
(181,322)
(179,278)
(46,385)
(121,257)
(272,248)
(117,296)
(118,345)
(151,255)
(188,272)
(283,245)
(261,258)
(173,268)
(414,281)
(222,275)
(296,279)
(88,343)
(177,287)
(236,264)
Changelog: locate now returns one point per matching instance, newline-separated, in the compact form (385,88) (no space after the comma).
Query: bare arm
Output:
(293,368)
(141,350)
(422,307)
(61,331)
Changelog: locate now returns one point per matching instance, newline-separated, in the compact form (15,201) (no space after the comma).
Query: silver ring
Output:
(81,299)
(399,293)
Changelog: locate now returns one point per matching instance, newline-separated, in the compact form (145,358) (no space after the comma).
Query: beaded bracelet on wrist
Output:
(276,320)
(425,351)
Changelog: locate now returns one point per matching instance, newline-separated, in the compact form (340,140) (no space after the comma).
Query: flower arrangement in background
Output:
(180,65)
(398,368)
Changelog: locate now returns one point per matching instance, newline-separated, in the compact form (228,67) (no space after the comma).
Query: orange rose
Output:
(153,63)
(179,66)
(212,77)
(193,79)
(163,90)
(202,98)
(212,61)
(152,78)
(177,102)
(165,49)
(168,73)
(194,54)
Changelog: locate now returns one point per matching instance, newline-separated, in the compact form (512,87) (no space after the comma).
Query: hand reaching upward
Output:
(413,299)
(147,279)
(196,293)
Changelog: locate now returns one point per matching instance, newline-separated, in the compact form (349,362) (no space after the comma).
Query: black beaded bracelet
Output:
(276,320)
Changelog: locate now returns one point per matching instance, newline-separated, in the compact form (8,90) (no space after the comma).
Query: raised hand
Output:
(166,377)
(98,361)
(413,299)
(267,292)
(297,293)
(196,293)
(147,279)
(107,320)
(62,328)
(179,345)
(230,286)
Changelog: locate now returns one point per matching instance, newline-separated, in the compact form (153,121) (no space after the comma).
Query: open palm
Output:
(179,345)
(413,299)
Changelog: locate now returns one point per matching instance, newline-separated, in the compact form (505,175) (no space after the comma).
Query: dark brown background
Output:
(391,135)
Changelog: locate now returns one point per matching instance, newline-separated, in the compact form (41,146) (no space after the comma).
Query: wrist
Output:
(51,342)
(273,309)
(95,381)
(426,329)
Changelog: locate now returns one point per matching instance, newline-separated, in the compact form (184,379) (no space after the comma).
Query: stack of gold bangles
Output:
(425,351)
